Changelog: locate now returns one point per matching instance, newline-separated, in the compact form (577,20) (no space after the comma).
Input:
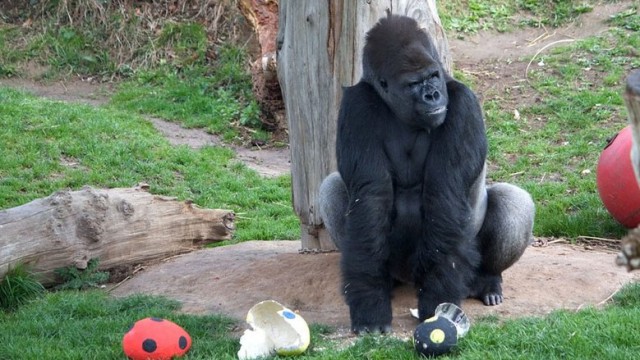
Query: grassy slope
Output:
(48,146)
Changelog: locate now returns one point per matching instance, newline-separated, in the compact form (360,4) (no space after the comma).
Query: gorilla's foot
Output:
(488,288)
(492,298)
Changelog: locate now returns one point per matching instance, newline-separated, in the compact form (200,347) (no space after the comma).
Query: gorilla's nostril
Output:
(434,96)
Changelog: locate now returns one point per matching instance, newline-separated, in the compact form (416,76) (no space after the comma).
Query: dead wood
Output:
(121,227)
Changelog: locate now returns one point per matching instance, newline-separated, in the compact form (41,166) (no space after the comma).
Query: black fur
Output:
(409,202)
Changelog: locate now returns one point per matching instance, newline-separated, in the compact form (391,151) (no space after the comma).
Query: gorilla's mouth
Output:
(438,110)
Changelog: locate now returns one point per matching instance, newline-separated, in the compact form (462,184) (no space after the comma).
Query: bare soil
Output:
(231,279)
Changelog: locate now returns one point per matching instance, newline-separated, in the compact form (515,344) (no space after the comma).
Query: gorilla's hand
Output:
(371,314)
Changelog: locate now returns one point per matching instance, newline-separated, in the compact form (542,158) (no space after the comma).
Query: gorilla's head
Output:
(401,63)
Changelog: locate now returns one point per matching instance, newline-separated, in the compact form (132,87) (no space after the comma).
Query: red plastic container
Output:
(616,180)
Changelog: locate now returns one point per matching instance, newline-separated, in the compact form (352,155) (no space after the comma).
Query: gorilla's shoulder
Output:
(361,93)
(460,92)
(361,101)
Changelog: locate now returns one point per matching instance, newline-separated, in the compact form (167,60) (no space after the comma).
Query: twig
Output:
(118,284)
(557,241)
(542,179)
(609,297)
(542,36)
(526,71)
(584,237)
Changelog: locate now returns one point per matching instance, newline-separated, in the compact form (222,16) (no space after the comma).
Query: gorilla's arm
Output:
(447,254)
(363,166)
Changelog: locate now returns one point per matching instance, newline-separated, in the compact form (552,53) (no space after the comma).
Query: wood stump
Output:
(319,52)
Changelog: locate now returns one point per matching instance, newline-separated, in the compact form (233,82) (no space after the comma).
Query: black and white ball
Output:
(435,336)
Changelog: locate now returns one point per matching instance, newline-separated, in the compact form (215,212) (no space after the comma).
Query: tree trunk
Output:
(263,17)
(319,52)
(632,100)
(117,226)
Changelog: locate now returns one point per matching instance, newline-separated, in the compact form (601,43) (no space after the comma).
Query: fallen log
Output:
(120,227)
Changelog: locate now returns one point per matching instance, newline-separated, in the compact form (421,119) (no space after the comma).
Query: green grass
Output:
(168,66)
(217,99)
(48,146)
(90,325)
(628,19)
(469,16)
(18,286)
(12,53)
(552,149)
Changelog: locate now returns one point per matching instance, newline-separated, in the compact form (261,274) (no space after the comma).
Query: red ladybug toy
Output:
(155,339)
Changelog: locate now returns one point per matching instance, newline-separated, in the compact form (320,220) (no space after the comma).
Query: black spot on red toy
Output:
(155,339)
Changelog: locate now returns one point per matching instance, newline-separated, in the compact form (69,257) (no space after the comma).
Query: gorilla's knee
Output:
(508,226)
(332,199)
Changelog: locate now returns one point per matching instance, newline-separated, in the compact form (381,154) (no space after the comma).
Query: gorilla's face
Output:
(416,90)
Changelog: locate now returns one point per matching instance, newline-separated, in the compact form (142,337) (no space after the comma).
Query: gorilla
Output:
(409,201)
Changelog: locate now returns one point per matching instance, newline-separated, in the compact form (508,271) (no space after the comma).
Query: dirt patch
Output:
(230,279)
(487,45)
(498,61)
(268,162)
(85,91)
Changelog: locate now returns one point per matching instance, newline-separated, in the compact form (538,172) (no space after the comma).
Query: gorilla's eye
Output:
(383,84)
(435,75)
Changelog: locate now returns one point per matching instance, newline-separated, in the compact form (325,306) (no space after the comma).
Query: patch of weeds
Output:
(12,50)
(217,98)
(75,279)
(553,12)
(114,148)
(470,16)
(183,44)
(70,50)
(18,286)
(250,115)
(628,19)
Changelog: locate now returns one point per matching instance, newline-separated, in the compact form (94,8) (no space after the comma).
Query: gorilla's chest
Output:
(406,157)
(407,151)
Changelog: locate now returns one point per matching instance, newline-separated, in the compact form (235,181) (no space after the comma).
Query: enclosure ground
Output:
(231,279)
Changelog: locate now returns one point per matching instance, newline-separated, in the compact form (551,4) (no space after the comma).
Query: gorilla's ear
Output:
(383,84)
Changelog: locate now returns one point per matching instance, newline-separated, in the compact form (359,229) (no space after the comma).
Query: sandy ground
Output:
(231,279)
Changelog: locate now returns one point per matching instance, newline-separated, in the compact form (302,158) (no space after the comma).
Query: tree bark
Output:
(632,100)
(319,52)
(117,226)
(263,17)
